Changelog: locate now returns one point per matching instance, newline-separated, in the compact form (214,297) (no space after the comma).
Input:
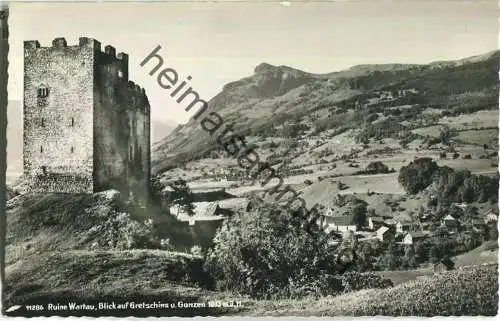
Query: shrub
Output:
(355,281)
(377,168)
(248,255)
(196,250)
(341,186)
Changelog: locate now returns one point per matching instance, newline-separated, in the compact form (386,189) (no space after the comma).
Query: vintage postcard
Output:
(249,158)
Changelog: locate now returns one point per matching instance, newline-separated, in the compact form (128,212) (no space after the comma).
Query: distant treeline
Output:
(451,185)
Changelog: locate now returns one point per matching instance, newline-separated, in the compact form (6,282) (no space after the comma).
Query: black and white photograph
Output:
(249,158)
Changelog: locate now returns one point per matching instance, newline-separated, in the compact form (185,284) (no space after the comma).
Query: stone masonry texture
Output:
(86,125)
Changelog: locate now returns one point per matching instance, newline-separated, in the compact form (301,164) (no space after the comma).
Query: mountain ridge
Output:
(273,94)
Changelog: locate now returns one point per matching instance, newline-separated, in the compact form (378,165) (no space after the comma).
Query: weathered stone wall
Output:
(111,121)
(92,131)
(58,128)
(139,142)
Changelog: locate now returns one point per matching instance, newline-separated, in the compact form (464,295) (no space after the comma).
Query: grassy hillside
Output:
(94,248)
(485,253)
(468,291)
(97,276)
(39,223)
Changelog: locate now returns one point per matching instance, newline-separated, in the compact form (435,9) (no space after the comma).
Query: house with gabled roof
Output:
(491,217)
(450,223)
(235,204)
(385,233)
(403,226)
(203,211)
(443,265)
(414,237)
(339,224)
(375,222)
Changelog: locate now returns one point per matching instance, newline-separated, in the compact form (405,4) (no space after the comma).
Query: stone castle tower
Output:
(86,125)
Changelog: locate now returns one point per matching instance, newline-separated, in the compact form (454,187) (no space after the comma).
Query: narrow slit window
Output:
(41,149)
(72,149)
(43,122)
(130,154)
(44,170)
(72,122)
(42,92)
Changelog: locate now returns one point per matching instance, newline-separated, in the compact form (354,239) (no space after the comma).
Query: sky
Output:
(216,42)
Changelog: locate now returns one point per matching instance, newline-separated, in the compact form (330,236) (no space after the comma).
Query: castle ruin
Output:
(86,125)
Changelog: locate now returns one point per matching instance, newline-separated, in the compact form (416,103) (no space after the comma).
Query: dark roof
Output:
(449,223)
(447,262)
(340,220)
(417,234)
(403,218)
(377,219)
(477,221)
(383,230)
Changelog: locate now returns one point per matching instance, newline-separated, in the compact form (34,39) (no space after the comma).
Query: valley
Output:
(397,163)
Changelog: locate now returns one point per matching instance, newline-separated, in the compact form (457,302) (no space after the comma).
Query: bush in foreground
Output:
(271,252)
(276,253)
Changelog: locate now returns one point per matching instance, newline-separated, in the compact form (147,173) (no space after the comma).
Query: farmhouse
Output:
(375,222)
(443,265)
(385,233)
(490,217)
(403,226)
(478,223)
(203,211)
(462,206)
(414,237)
(402,222)
(339,224)
(236,204)
(450,223)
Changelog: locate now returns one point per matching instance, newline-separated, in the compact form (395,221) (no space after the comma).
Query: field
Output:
(485,253)
(479,137)
(486,118)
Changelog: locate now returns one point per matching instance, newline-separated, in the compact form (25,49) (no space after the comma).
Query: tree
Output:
(182,197)
(391,259)
(410,257)
(444,136)
(434,254)
(248,255)
(359,214)
(417,175)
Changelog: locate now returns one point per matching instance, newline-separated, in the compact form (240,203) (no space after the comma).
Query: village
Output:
(349,219)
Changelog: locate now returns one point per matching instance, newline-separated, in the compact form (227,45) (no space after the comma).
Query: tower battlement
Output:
(139,93)
(109,53)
